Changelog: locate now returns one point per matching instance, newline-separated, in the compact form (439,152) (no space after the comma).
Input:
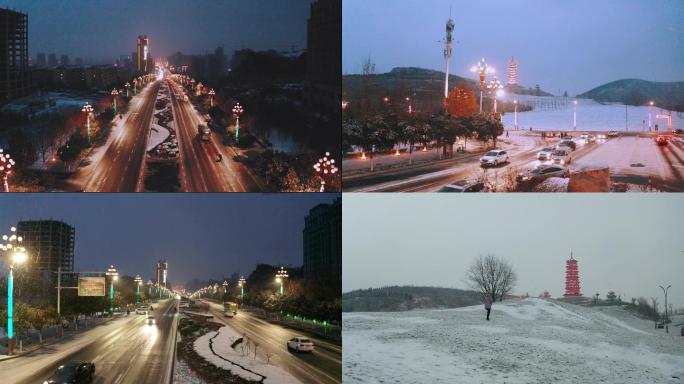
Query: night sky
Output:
(105,29)
(568,45)
(201,235)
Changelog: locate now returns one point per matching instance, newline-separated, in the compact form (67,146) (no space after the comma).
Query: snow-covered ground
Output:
(591,116)
(527,341)
(157,136)
(239,361)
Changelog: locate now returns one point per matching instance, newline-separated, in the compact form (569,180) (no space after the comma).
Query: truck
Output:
(203,132)
(230,307)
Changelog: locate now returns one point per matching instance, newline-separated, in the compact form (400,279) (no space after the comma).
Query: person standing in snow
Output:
(488,305)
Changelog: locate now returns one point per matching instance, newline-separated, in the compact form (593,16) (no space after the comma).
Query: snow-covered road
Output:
(528,341)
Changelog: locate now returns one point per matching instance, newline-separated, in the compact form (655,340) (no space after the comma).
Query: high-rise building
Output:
(324,56)
(15,79)
(323,243)
(512,72)
(142,51)
(52,60)
(79,62)
(64,60)
(162,272)
(41,62)
(572,282)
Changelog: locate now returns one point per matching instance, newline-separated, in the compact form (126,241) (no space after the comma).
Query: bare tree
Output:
(492,276)
(268,358)
(256,345)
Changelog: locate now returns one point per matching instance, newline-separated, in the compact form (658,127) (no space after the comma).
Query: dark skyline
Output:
(104,30)
(201,235)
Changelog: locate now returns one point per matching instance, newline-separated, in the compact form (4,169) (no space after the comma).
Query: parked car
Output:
(561,157)
(567,143)
(494,158)
(73,372)
(463,186)
(662,140)
(542,173)
(545,153)
(300,344)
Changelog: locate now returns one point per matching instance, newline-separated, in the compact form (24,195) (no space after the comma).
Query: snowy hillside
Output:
(529,341)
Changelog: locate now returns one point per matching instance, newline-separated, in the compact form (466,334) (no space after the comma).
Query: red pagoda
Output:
(572,283)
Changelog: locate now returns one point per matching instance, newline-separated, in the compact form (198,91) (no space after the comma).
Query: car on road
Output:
(494,158)
(542,173)
(141,311)
(561,156)
(613,134)
(229,314)
(151,320)
(567,143)
(601,136)
(545,153)
(662,140)
(463,186)
(591,139)
(73,372)
(300,344)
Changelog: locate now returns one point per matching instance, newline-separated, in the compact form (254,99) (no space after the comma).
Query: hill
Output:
(668,95)
(391,299)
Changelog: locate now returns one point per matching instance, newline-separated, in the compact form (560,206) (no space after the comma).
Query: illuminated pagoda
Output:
(572,283)
(512,72)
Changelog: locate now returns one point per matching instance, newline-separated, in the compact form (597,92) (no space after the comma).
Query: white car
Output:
(229,314)
(545,153)
(494,158)
(300,344)
(151,320)
(141,311)
(561,157)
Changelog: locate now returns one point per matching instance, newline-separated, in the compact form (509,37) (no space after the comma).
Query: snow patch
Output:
(157,136)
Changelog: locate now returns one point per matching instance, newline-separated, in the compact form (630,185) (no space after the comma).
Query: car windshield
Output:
(66,371)
(537,170)
(547,149)
(304,341)
(559,153)
(492,153)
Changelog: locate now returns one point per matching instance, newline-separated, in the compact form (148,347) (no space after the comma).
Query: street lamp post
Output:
(650,105)
(6,164)
(114,94)
(128,87)
(88,110)
(114,275)
(149,290)
(496,88)
(325,166)
(225,289)
(237,111)
(667,330)
(482,68)
(199,88)
(138,283)
(574,115)
(281,275)
(242,283)
(19,256)
(211,97)
(515,103)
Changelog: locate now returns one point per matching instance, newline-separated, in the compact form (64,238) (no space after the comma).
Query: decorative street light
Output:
(12,245)
(281,275)
(237,111)
(650,105)
(88,110)
(242,283)
(115,93)
(667,330)
(496,88)
(138,283)
(128,87)
(225,288)
(149,289)
(482,68)
(211,97)
(6,164)
(114,275)
(199,88)
(515,103)
(574,115)
(325,166)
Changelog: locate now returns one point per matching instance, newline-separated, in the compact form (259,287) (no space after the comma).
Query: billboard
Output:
(91,286)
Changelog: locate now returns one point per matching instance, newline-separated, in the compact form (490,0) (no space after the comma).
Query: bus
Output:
(229,306)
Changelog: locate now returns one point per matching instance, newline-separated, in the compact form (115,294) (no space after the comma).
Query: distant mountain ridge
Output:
(404,298)
(668,95)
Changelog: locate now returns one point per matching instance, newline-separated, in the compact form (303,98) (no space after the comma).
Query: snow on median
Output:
(158,135)
(215,347)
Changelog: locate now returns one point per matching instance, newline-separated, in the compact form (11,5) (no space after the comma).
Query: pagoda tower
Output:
(512,72)
(572,282)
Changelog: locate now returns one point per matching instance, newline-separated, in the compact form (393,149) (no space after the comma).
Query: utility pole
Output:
(447,54)
(667,330)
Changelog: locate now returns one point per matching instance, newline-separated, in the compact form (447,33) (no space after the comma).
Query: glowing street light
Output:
(496,88)
(12,245)
(211,97)
(325,166)
(88,110)
(115,93)
(114,275)
(650,105)
(242,282)
(149,289)
(138,283)
(237,111)
(515,103)
(281,275)
(6,164)
(482,68)
(345,104)
(199,88)
(574,115)
(128,87)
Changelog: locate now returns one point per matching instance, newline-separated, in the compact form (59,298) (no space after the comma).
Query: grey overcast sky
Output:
(626,243)
(106,29)
(568,45)
(203,235)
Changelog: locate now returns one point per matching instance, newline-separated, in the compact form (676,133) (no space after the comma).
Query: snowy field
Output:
(591,116)
(528,341)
